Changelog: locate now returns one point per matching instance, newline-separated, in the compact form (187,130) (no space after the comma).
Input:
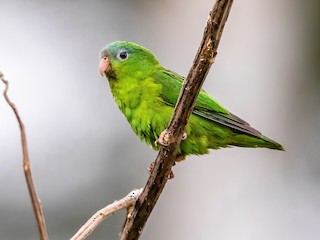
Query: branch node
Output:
(126,202)
(135,193)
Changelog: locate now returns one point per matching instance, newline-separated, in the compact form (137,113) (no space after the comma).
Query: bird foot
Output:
(151,167)
(165,138)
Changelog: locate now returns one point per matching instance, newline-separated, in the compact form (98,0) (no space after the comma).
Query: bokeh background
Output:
(84,154)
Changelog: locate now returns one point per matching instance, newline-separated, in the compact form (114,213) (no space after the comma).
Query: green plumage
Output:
(146,93)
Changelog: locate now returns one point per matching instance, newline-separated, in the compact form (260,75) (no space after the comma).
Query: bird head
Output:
(122,58)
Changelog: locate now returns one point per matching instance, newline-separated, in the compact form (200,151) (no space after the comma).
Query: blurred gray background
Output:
(84,154)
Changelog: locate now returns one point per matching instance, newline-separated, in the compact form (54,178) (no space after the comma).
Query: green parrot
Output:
(146,93)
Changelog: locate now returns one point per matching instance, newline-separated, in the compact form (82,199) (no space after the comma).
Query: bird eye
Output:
(123,55)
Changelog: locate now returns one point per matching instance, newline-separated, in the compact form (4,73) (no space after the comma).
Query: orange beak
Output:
(103,65)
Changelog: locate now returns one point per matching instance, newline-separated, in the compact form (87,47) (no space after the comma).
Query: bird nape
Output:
(146,93)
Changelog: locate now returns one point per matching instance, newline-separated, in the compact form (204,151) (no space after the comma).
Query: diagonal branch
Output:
(43,235)
(105,212)
(205,57)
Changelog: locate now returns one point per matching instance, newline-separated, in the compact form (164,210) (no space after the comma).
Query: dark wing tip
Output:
(237,124)
(229,120)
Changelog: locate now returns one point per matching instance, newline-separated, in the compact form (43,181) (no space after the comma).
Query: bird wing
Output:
(205,106)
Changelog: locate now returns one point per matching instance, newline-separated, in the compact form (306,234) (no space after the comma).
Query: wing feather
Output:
(205,106)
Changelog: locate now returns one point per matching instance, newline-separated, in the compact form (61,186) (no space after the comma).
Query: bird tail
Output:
(272,144)
(243,140)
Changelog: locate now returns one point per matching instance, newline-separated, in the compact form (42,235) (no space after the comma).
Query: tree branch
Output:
(43,235)
(205,57)
(105,212)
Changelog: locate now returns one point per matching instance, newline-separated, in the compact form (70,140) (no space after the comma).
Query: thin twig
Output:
(43,235)
(173,134)
(105,212)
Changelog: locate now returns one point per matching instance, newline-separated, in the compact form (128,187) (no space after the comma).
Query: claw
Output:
(184,136)
(164,138)
(171,175)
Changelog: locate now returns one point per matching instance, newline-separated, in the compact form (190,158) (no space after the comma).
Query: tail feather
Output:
(243,140)
(272,144)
